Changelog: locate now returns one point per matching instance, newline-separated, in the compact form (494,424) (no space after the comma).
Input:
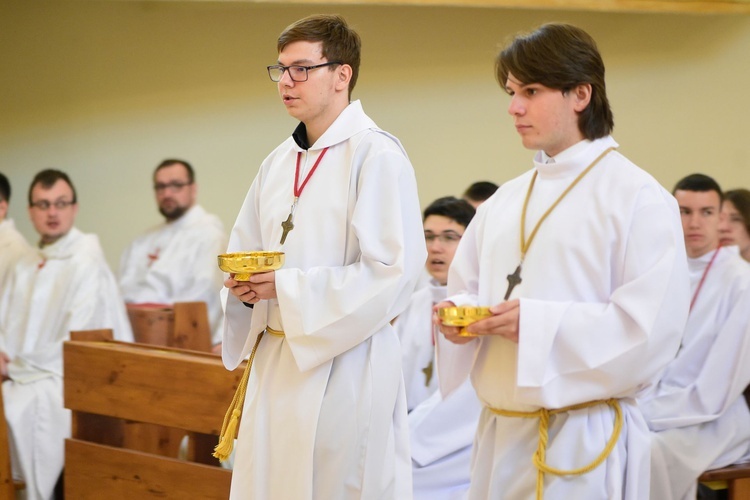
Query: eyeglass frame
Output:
(172,186)
(286,69)
(446,238)
(45,205)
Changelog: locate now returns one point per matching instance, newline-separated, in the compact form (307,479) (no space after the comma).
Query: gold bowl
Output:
(244,264)
(463,316)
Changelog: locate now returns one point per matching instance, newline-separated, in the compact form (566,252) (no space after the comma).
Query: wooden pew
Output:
(184,325)
(126,382)
(736,477)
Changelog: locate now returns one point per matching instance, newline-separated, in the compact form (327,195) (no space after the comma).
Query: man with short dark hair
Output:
(441,429)
(12,244)
(697,414)
(176,260)
(64,285)
(325,414)
(582,264)
(479,192)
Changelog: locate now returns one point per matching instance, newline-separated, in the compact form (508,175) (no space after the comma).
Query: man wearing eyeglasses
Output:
(153,267)
(324,416)
(12,243)
(64,285)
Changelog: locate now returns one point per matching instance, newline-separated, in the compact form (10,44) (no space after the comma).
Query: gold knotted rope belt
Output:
(539,458)
(232,417)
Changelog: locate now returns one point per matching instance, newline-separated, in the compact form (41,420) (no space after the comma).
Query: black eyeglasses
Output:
(44,205)
(446,238)
(296,73)
(173,186)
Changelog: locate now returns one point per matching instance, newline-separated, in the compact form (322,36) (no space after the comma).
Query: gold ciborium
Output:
(463,316)
(244,264)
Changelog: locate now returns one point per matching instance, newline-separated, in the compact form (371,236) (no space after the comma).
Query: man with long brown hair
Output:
(582,262)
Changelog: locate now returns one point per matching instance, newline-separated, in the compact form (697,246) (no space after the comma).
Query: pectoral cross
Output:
(427,370)
(152,257)
(513,280)
(288,225)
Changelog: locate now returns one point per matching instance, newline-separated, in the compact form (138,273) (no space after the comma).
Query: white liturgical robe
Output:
(603,303)
(325,413)
(12,246)
(697,412)
(176,262)
(441,429)
(62,287)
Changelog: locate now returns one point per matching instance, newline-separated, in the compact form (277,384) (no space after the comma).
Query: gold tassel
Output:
(226,443)
(232,417)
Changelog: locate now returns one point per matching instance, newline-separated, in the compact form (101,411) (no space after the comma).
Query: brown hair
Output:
(740,198)
(561,56)
(171,161)
(47,178)
(340,42)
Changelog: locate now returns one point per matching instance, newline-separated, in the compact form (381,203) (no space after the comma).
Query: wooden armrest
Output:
(736,471)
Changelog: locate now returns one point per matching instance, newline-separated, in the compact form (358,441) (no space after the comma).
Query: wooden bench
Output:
(735,478)
(184,325)
(110,383)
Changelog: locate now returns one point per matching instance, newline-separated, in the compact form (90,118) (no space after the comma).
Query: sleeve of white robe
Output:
(454,361)
(571,352)
(721,381)
(328,310)
(241,326)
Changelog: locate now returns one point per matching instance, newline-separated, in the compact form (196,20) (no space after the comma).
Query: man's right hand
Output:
(451,333)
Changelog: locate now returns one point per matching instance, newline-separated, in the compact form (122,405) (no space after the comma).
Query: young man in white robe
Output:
(325,411)
(697,413)
(12,243)
(582,262)
(64,285)
(441,429)
(176,260)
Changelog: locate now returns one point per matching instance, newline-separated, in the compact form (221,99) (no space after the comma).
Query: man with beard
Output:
(153,268)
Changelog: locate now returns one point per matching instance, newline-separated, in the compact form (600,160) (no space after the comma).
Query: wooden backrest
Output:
(184,325)
(92,335)
(119,382)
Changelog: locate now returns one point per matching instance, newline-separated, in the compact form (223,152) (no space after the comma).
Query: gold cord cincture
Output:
(539,458)
(232,417)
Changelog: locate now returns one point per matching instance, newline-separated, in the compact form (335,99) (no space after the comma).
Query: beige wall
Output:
(105,90)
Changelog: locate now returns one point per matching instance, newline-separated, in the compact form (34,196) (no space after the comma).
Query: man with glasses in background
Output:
(325,412)
(441,429)
(176,260)
(64,285)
